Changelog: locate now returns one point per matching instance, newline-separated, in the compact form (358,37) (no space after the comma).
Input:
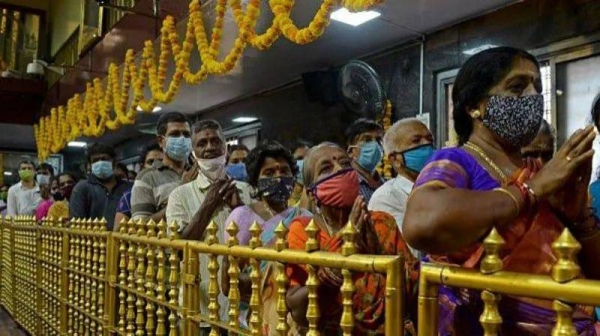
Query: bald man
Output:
(408,145)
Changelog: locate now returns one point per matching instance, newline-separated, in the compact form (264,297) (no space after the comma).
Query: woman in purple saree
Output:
(271,170)
(463,192)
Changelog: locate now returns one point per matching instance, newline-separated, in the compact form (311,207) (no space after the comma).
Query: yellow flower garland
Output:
(115,103)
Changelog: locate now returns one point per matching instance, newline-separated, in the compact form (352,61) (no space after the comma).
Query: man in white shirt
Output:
(408,144)
(210,197)
(24,197)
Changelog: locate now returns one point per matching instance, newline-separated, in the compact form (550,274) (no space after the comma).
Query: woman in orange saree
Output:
(498,110)
(335,193)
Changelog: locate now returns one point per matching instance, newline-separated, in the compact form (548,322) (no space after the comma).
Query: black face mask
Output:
(58,196)
(276,189)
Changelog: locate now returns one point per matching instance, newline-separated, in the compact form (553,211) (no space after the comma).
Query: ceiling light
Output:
(154,110)
(479,49)
(244,119)
(7,174)
(77,144)
(353,19)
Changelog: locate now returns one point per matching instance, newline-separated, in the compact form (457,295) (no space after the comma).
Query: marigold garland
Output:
(114,104)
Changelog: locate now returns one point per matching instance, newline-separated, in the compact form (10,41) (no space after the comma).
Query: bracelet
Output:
(514,199)
(533,196)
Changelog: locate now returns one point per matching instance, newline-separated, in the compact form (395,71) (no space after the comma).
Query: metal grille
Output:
(546,77)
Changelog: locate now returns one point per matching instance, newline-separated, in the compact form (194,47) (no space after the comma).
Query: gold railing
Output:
(562,287)
(76,278)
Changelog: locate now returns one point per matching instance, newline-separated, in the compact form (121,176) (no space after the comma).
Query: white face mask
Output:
(43,179)
(213,169)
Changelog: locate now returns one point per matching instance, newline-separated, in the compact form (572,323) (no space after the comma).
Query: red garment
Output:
(369,297)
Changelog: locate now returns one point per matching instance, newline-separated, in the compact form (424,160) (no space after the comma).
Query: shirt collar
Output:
(404,183)
(36,187)
(203,182)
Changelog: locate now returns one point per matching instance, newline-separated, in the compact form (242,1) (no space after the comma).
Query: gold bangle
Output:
(512,197)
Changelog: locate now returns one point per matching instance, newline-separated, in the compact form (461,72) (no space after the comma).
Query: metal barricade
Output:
(76,278)
(563,286)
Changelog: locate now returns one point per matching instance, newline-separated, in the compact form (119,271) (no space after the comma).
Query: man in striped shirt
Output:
(153,185)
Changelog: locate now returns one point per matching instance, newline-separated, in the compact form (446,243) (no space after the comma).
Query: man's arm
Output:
(11,206)
(200,221)
(175,210)
(214,200)
(78,201)
(142,200)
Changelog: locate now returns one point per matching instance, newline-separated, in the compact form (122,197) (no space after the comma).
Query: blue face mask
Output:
(416,158)
(237,171)
(370,156)
(102,169)
(178,148)
(299,176)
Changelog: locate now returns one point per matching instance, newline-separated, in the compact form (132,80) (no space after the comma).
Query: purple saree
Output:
(527,250)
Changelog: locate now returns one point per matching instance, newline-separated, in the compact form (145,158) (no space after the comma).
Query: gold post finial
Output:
(174,229)
(280,232)
(211,230)
(564,320)
(490,318)
(141,226)
(123,226)
(95,225)
(162,229)
(103,224)
(565,249)
(232,231)
(131,227)
(348,234)
(311,231)
(151,228)
(492,245)
(255,232)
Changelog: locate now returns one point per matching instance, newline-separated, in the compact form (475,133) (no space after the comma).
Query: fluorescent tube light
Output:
(244,119)
(354,19)
(77,144)
(154,110)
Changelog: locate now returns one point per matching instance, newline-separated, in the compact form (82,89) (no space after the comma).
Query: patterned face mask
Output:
(276,189)
(516,120)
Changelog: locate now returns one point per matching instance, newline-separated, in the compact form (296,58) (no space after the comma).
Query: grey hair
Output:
(307,174)
(202,125)
(392,134)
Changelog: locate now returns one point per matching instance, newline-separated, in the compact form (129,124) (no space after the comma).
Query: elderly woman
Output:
(498,110)
(542,147)
(334,190)
(271,170)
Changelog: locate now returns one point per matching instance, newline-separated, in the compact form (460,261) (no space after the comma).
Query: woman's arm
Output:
(297,302)
(441,220)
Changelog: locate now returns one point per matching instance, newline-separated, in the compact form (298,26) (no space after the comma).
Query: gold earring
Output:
(476,114)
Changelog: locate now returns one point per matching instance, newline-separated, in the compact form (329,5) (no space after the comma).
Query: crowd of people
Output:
(505,166)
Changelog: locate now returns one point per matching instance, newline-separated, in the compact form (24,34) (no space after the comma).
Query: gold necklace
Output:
(487,159)
(327,227)
(268,208)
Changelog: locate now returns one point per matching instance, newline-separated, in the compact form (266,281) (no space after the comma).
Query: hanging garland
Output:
(114,105)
